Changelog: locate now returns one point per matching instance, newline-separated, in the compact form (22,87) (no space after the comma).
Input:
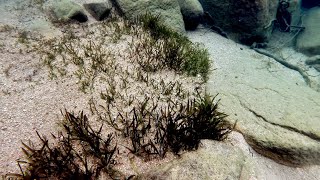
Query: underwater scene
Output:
(160,89)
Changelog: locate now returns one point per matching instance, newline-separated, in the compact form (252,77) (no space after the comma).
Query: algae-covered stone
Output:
(169,10)
(99,10)
(192,12)
(308,41)
(65,10)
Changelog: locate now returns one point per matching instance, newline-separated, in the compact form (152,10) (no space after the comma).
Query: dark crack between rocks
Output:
(264,89)
(310,135)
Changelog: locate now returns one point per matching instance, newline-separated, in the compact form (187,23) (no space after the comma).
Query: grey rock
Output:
(246,21)
(192,12)
(169,10)
(99,10)
(66,10)
(275,110)
(308,41)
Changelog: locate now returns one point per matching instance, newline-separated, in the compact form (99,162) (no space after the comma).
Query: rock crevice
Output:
(312,136)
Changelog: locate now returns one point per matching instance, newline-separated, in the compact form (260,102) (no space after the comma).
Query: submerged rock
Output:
(99,10)
(168,9)
(214,160)
(192,12)
(65,10)
(308,41)
(248,21)
(231,159)
(275,110)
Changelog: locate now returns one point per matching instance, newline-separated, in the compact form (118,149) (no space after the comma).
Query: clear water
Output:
(269,96)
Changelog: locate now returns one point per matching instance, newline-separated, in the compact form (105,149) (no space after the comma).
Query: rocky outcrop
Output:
(192,12)
(169,10)
(275,110)
(66,10)
(232,159)
(308,41)
(246,21)
(99,10)
(214,160)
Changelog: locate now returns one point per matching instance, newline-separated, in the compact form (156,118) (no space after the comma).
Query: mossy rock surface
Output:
(169,10)
(66,10)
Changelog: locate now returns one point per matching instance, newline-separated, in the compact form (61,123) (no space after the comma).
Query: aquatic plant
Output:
(23,37)
(78,153)
(196,120)
(175,127)
(153,46)
(151,125)
(170,49)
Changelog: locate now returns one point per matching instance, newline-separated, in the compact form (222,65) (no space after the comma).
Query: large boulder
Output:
(169,10)
(276,110)
(66,10)
(308,41)
(246,21)
(192,12)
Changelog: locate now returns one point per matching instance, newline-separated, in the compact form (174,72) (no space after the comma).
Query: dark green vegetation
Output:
(124,67)
(153,131)
(78,153)
(153,46)
(174,50)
